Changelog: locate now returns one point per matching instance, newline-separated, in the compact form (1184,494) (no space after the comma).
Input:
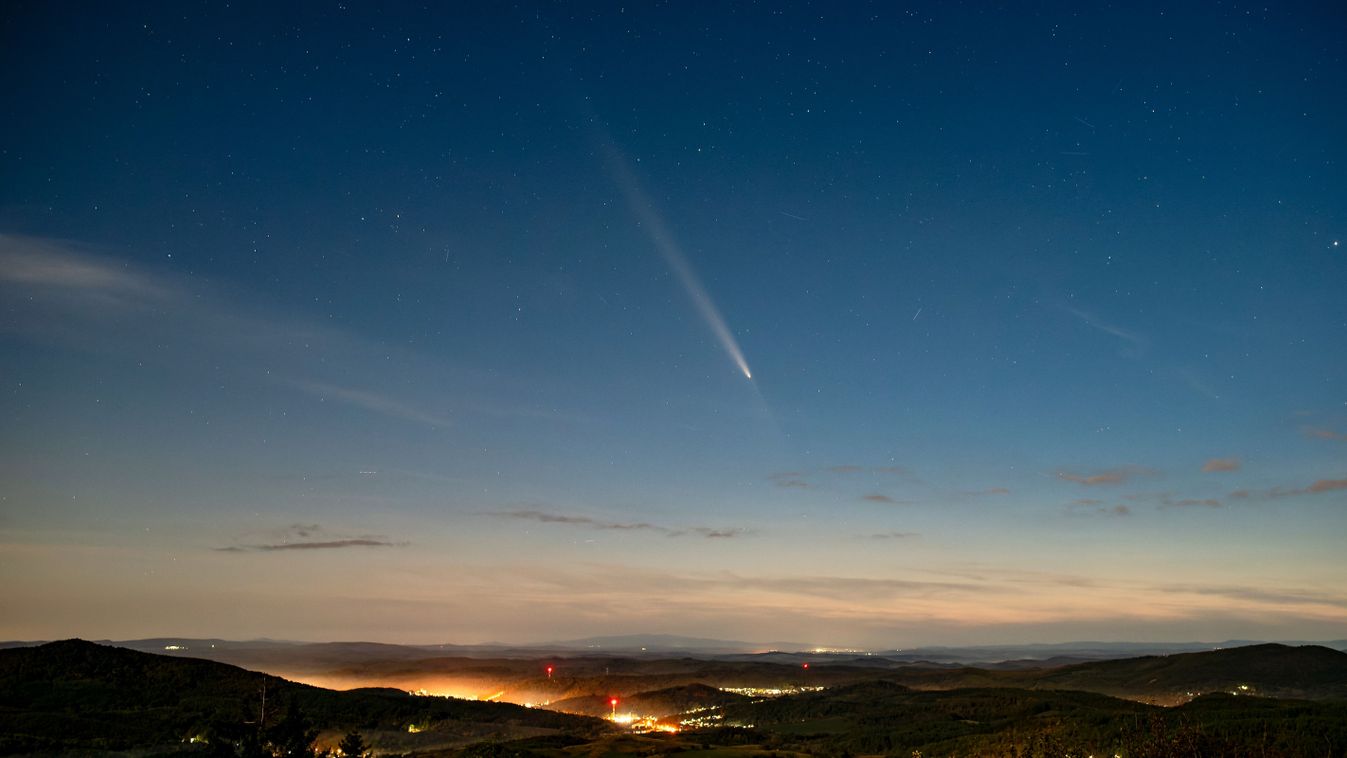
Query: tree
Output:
(353,746)
(293,736)
(235,738)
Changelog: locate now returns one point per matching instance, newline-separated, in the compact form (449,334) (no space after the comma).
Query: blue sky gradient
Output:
(435,311)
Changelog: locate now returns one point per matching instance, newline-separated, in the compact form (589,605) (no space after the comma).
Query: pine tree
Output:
(353,746)
(294,735)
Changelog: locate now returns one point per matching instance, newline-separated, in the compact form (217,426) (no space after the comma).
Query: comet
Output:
(664,241)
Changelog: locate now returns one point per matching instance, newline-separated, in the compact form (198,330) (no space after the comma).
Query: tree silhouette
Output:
(353,746)
(293,736)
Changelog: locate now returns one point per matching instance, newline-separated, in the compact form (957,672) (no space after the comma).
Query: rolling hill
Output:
(76,695)
(884,717)
(657,704)
(1271,670)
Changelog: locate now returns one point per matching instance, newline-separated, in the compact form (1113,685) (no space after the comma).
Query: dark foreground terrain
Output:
(79,698)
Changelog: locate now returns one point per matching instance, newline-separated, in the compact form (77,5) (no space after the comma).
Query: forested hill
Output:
(1311,672)
(873,718)
(79,695)
(1306,671)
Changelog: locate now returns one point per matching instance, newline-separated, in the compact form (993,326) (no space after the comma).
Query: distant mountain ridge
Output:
(671,643)
(667,643)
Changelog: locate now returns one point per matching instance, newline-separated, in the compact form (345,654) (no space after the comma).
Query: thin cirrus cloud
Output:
(1318,487)
(1217,465)
(1135,342)
(1327,485)
(69,294)
(797,478)
(58,265)
(1107,477)
(1196,383)
(863,588)
(987,492)
(789,480)
(373,402)
(63,281)
(879,497)
(1320,433)
(990,596)
(317,545)
(1096,507)
(306,537)
(1262,595)
(715,534)
(852,468)
(1190,502)
(547,517)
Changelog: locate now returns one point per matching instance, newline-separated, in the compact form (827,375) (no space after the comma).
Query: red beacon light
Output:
(806,665)
(549,672)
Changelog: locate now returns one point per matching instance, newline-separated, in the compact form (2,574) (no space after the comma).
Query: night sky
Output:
(843,324)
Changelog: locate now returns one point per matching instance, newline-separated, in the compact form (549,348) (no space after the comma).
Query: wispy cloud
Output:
(1109,476)
(1327,485)
(1323,434)
(56,265)
(1221,464)
(893,536)
(1261,595)
(879,497)
(1090,480)
(856,587)
(544,517)
(547,517)
(717,534)
(1189,502)
(987,492)
(303,537)
(327,545)
(372,401)
(1171,500)
(1197,383)
(1316,488)
(1094,507)
(801,479)
(68,294)
(852,468)
(942,598)
(790,479)
(1135,342)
